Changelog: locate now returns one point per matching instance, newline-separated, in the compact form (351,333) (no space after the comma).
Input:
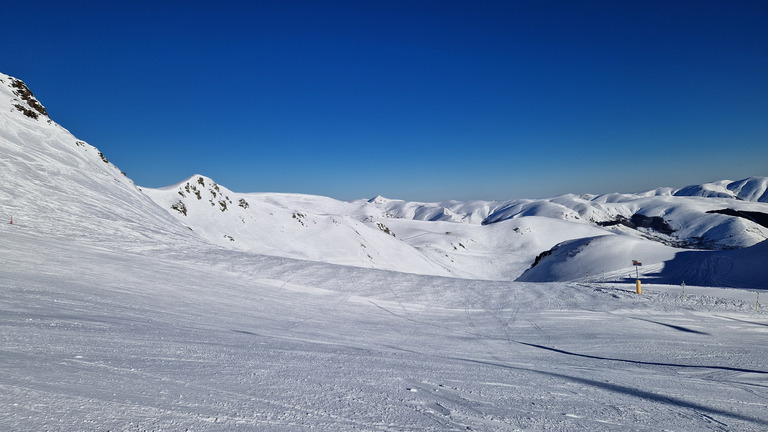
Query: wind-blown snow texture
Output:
(121,309)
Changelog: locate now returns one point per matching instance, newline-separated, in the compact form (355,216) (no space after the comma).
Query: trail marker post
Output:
(683,290)
(638,286)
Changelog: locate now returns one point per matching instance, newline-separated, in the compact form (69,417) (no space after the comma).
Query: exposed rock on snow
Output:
(654,223)
(28,104)
(756,217)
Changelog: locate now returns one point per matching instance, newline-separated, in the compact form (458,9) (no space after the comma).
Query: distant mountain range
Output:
(711,234)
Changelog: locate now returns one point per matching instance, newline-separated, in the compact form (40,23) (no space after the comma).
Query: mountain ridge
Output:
(450,238)
(57,185)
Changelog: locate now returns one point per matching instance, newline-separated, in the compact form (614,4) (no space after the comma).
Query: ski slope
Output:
(97,339)
(117,314)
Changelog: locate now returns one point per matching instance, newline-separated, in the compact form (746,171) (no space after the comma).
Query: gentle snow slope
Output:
(97,339)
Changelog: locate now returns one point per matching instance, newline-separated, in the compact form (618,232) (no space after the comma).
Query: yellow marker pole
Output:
(638,288)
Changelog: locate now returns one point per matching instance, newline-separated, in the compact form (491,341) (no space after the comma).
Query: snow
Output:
(479,240)
(119,313)
(474,240)
(56,184)
(578,259)
(95,339)
(750,189)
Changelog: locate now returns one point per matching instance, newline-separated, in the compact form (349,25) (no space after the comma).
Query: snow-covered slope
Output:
(115,316)
(99,339)
(362,233)
(54,184)
(679,220)
(609,258)
(743,268)
(476,239)
(749,189)
(597,259)
(293,226)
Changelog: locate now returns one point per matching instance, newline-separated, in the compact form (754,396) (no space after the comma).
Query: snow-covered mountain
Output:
(477,239)
(750,189)
(56,184)
(294,226)
(197,308)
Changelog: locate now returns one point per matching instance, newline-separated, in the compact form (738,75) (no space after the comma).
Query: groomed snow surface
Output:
(98,339)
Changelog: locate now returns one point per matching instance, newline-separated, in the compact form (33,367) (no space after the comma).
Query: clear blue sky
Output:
(418,100)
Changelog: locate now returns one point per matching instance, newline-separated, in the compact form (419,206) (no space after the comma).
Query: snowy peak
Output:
(750,189)
(55,185)
(379,200)
(449,211)
(290,225)
(206,191)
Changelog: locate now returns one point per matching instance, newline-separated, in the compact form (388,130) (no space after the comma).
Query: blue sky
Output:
(417,100)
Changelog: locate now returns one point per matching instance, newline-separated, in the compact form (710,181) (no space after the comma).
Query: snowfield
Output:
(287,312)
(94,339)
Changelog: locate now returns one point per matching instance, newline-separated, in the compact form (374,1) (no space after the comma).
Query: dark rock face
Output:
(540,256)
(756,217)
(656,223)
(31,108)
